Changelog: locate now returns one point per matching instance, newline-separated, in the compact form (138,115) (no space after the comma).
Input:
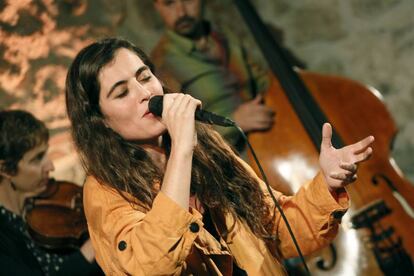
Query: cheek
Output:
(120,113)
(27,179)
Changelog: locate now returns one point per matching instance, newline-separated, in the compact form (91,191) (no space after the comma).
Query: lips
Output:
(146,113)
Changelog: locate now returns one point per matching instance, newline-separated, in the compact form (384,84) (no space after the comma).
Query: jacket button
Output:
(338,214)
(194,227)
(122,245)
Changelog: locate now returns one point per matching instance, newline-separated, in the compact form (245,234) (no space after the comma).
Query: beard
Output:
(187,26)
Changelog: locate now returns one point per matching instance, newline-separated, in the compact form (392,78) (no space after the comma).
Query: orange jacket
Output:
(168,240)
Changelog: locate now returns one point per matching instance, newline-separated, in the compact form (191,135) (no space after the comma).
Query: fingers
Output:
(362,145)
(326,136)
(350,167)
(186,105)
(168,102)
(363,156)
(182,105)
(258,99)
(251,116)
(344,178)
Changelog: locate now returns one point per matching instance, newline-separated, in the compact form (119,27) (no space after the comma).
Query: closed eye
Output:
(146,79)
(122,94)
(38,157)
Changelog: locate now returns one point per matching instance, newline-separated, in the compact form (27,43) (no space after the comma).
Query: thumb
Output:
(326,136)
(258,99)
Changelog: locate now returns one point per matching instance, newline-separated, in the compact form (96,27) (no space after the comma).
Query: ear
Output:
(106,123)
(3,173)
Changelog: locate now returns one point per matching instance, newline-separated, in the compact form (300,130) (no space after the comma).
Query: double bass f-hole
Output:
(404,204)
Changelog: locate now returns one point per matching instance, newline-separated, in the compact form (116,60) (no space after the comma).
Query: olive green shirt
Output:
(222,79)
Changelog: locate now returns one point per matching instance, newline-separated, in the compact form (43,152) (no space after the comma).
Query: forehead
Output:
(124,63)
(167,2)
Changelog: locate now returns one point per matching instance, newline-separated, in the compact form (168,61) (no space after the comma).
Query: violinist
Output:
(167,196)
(24,172)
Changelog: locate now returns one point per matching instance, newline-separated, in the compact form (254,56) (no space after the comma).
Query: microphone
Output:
(155,107)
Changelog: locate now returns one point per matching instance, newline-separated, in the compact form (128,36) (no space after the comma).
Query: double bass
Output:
(376,235)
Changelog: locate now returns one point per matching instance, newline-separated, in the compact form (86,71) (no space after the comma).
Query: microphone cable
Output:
(157,106)
(279,208)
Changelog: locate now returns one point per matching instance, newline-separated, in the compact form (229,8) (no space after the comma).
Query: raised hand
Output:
(340,165)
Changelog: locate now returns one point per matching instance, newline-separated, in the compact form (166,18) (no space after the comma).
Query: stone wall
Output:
(371,41)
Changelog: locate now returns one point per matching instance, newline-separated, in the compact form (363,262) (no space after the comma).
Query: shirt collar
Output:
(183,43)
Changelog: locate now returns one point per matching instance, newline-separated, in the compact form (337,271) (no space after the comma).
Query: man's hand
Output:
(254,116)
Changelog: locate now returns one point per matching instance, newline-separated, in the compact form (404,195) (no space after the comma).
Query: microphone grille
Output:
(155,105)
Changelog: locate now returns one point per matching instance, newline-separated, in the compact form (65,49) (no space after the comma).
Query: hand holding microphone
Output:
(177,112)
(155,106)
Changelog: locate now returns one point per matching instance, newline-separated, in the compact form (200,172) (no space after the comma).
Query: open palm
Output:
(340,165)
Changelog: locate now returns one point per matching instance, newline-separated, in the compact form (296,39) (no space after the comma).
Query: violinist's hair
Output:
(20,132)
(220,181)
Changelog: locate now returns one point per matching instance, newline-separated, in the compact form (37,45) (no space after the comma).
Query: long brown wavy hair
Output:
(219,180)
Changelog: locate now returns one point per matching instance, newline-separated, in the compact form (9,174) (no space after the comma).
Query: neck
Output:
(156,152)
(154,149)
(11,199)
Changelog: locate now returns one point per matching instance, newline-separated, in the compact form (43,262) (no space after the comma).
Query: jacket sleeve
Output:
(313,214)
(139,243)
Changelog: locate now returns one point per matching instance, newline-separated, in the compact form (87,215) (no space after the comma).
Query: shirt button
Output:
(194,227)
(122,245)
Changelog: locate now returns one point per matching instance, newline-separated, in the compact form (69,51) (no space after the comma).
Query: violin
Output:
(55,218)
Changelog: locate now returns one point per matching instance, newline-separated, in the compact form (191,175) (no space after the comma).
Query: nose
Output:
(48,167)
(141,92)
(180,8)
(145,95)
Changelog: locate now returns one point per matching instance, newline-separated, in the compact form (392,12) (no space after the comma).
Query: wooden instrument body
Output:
(55,218)
(290,159)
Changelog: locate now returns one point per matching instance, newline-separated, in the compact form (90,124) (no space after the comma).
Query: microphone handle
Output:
(213,119)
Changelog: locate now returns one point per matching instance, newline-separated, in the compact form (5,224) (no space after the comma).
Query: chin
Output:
(40,189)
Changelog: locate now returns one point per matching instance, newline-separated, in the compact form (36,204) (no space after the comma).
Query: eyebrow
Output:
(118,83)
